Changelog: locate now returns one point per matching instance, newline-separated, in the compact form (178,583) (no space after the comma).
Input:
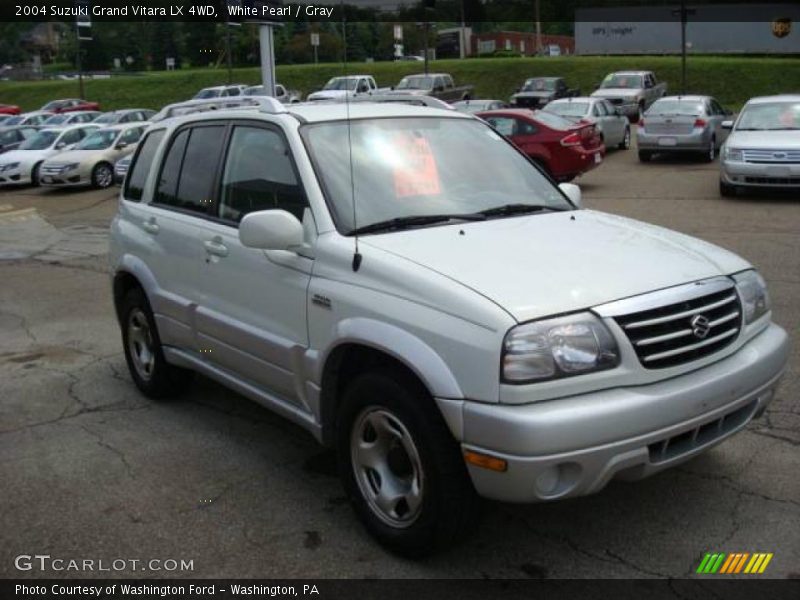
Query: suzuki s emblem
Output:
(781,27)
(700,326)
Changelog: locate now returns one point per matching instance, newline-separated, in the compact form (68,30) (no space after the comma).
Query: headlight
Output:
(9,166)
(733,154)
(559,347)
(69,167)
(753,292)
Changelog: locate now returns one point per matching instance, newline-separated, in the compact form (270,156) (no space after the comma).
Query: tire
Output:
(625,144)
(640,113)
(149,370)
(388,420)
(103,175)
(711,152)
(645,155)
(726,190)
(35,174)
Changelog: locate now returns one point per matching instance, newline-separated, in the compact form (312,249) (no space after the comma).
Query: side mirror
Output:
(619,112)
(573,192)
(273,229)
(60,145)
(438,88)
(727,124)
(121,145)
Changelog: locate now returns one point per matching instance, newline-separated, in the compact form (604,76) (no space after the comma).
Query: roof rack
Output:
(265,104)
(412,99)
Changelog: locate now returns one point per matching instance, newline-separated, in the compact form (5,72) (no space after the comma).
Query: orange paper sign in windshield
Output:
(417,174)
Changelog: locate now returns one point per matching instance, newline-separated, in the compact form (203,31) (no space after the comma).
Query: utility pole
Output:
(538,29)
(425,27)
(683,13)
(462,50)
(228,52)
(83,31)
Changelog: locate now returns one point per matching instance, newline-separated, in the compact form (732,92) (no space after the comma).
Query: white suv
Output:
(406,285)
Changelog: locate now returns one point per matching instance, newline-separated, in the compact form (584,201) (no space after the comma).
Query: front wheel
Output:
(626,139)
(726,190)
(102,176)
(401,466)
(35,179)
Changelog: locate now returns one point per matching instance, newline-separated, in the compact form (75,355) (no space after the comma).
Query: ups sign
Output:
(781,27)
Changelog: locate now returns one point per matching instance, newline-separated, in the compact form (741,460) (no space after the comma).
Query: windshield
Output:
(568,109)
(633,82)
(207,93)
(39,141)
(56,104)
(106,118)
(417,82)
(13,121)
(686,108)
(770,117)
(539,85)
(407,167)
(341,83)
(56,119)
(7,137)
(99,140)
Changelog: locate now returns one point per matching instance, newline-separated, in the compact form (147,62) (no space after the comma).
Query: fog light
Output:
(558,480)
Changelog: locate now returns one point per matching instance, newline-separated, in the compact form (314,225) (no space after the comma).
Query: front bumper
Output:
(75,178)
(670,142)
(574,446)
(760,174)
(14,177)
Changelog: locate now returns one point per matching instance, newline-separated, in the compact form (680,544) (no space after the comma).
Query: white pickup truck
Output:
(346,86)
(430,305)
(631,92)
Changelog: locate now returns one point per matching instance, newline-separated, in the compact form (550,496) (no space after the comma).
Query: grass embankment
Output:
(732,80)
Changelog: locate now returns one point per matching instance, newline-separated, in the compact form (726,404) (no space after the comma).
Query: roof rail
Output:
(265,104)
(412,99)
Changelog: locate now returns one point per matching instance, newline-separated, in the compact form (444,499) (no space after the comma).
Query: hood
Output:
(22,156)
(615,93)
(534,95)
(541,265)
(764,140)
(77,156)
(329,94)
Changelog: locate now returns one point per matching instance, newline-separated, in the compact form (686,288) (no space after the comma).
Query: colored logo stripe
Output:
(734,562)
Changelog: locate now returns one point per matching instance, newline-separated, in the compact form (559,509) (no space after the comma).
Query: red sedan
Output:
(70,105)
(9,109)
(562,148)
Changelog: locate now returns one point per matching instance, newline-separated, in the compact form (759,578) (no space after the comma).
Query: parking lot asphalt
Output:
(90,469)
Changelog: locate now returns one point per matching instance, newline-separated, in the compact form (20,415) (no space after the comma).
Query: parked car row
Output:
(68,143)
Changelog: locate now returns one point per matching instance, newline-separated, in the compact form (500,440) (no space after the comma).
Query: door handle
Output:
(150,226)
(216,247)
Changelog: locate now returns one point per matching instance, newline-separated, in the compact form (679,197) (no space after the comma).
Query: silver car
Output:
(611,122)
(681,124)
(763,148)
(282,94)
(475,106)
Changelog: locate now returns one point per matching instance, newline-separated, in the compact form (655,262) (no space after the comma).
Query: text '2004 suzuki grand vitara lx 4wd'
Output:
(405,284)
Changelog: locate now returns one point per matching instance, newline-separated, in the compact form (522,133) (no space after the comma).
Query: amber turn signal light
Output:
(485,461)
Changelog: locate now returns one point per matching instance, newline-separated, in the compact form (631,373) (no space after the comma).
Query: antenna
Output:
(356,254)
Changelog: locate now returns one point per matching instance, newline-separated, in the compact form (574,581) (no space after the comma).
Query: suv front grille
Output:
(685,331)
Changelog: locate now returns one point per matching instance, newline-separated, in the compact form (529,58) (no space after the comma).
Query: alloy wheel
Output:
(140,344)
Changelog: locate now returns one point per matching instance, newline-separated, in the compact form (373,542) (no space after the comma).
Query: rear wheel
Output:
(400,465)
(711,151)
(143,353)
(645,155)
(626,139)
(102,175)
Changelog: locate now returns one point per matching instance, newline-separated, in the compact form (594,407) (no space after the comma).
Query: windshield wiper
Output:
(414,221)
(516,209)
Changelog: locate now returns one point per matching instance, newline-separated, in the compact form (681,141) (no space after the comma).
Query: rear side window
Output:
(188,173)
(259,175)
(140,168)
